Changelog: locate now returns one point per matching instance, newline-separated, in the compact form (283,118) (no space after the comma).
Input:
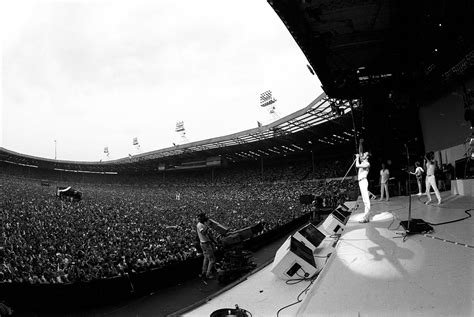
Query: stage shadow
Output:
(387,249)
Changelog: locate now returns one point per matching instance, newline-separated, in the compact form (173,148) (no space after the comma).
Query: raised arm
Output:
(361,147)
(363,164)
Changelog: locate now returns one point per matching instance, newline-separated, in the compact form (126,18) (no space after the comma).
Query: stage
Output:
(375,270)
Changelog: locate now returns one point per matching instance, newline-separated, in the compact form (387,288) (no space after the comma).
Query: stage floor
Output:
(374,271)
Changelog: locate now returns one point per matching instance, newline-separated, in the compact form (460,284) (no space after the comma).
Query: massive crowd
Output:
(119,229)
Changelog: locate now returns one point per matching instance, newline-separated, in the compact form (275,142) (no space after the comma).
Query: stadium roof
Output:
(408,46)
(324,123)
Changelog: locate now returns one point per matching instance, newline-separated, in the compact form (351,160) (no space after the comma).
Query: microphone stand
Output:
(348,171)
(355,137)
(418,226)
(408,190)
(406,224)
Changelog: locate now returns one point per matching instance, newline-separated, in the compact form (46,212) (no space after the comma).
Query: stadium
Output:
(118,237)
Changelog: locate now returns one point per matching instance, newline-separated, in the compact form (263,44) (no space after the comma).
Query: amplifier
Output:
(294,260)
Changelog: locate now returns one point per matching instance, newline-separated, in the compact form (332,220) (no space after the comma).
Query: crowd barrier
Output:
(66,297)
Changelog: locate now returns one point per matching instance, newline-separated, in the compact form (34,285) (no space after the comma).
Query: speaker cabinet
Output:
(336,221)
(310,236)
(294,260)
(321,246)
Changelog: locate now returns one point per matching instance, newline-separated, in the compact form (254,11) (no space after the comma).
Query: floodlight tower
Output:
(106,151)
(136,145)
(182,131)
(267,101)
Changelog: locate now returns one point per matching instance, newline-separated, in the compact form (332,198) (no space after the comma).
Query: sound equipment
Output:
(241,235)
(343,207)
(220,228)
(306,199)
(464,168)
(294,260)
(310,236)
(231,239)
(245,233)
(238,236)
(416,226)
(336,221)
(320,245)
(68,193)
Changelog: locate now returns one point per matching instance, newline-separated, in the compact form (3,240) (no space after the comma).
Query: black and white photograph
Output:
(246,158)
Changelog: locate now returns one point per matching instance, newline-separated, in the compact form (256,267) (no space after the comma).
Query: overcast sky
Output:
(93,73)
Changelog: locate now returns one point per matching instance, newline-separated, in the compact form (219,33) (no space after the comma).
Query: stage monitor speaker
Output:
(293,260)
(342,213)
(310,236)
(343,207)
(335,222)
(317,241)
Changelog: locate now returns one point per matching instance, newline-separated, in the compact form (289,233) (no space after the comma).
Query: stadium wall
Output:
(56,176)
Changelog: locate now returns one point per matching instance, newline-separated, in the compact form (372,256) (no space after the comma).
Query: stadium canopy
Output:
(324,124)
(412,47)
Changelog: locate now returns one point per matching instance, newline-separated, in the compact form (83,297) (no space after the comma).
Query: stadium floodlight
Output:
(135,142)
(179,126)
(182,131)
(266,99)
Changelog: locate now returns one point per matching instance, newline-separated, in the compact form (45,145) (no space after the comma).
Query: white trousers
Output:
(364,192)
(384,188)
(431,181)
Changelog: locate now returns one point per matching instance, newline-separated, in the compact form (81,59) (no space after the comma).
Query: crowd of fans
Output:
(118,229)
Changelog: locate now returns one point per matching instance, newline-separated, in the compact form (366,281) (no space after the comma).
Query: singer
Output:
(363,165)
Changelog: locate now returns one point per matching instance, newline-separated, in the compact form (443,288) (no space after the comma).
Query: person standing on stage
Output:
(384,176)
(430,177)
(419,176)
(363,165)
(205,239)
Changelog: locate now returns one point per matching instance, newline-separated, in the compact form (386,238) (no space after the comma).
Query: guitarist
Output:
(363,165)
